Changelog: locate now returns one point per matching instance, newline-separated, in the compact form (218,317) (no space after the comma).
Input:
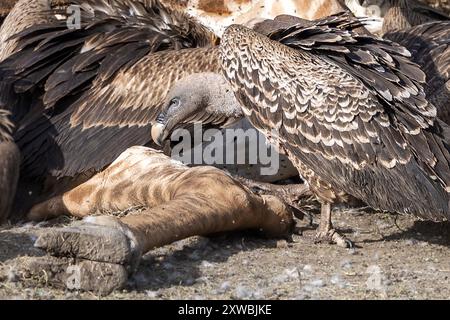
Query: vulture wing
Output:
(100,86)
(430,47)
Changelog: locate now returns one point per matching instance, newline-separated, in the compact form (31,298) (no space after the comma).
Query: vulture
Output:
(429,45)
(350,112)
(362,128)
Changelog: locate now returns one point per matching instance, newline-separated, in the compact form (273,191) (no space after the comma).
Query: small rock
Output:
(206,264)
(346,264)
(292,273)
(337,281)
(152,294)
(307,268)
(411,242)
(317,283)
(201,280)
(242,292)
(280,279)
(224,287)
(259,295)
(282,244)
(12,276)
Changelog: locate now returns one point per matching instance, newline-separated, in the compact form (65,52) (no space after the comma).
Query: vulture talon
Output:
(333,237)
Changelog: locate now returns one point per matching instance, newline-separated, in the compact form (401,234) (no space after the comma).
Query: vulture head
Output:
(204,98)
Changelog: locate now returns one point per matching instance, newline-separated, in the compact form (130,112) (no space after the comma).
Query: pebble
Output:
(152,294)
(242,292)
(346,264)
(206,264)
(411,242)
(307,268)
(224,287)
(318,283)
(201,280)
(337,281)
(282,244)
(12,276)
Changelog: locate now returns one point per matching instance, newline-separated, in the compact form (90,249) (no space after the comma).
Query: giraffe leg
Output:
(196,212)
(179,202)
(326,232)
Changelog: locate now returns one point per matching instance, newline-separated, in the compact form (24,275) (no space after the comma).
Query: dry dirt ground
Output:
(397,258)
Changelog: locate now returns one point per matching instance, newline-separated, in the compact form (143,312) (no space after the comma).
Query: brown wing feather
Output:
(430,47)
(375,141)
(102,85)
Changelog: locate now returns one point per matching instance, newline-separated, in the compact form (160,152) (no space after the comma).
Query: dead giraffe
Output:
(170,202)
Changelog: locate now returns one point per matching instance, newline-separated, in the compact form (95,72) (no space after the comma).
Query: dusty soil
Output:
(397,258)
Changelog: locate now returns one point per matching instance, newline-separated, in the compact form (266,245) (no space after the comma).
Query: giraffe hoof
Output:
(333,237)
(89,240)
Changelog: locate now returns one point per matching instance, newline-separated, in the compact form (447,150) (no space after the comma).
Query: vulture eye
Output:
(174,103)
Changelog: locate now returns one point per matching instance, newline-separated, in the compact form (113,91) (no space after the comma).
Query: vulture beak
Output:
(159,133)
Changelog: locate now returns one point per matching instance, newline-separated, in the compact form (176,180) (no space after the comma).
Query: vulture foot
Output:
(297,196)
(333,237)
(327,233)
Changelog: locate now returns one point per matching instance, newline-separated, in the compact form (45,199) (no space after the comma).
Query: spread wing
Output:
(100,86)
(430,47)
(349,107)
